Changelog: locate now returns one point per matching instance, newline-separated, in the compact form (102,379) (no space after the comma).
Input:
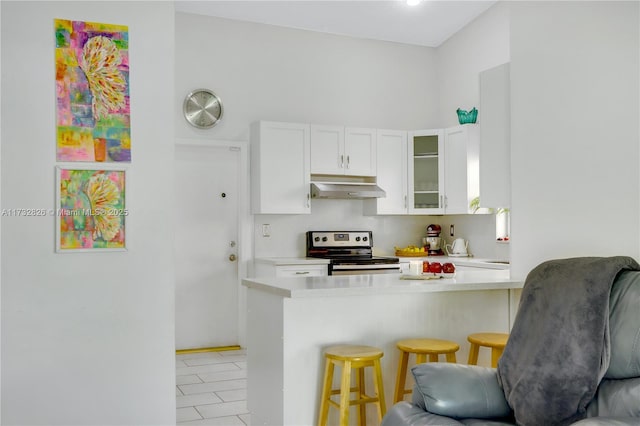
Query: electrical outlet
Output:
(266,230)
(451,230)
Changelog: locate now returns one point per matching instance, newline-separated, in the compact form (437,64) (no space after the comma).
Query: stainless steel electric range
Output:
(349,253)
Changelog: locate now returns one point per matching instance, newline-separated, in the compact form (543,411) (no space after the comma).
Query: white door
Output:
(455,169)
(360,151)
(391,151)
(206,217)
(327,150)
(461,179)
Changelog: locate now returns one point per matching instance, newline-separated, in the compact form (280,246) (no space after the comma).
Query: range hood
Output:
(346,190)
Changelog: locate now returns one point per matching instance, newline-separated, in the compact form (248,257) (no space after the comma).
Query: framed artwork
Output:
(91,208)
(92,92)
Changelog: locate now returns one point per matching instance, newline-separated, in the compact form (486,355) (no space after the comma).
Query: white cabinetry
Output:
(443,170)
(423,172)
(391,147)
(289,267)
(280,168)
(495,129)
(360,150)
(338,150)
(300,271)
(292,271)
(327,149)
(426,172)
(461,178)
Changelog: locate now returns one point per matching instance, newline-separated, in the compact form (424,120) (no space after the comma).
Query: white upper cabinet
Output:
(426,172)
(495,145)
(338,150)
(461,173)
(443,170)
(391,151)
(280,168)
(327,150)
(423,172)
(360,151)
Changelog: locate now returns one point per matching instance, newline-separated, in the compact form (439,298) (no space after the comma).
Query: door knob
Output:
(232,257)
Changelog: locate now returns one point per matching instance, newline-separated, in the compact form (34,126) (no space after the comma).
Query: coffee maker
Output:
(433,243)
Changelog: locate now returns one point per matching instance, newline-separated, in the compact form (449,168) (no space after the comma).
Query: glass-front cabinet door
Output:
(426,172)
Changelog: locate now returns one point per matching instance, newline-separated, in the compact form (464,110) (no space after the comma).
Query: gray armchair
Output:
(457,394)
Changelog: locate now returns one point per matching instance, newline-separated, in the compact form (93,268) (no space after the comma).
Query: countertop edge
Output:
(286,288)
(278,291)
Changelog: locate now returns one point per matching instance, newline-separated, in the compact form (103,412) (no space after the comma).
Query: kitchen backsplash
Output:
(287,232)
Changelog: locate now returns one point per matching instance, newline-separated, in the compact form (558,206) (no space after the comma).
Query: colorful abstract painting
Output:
(91,212)
(92,91)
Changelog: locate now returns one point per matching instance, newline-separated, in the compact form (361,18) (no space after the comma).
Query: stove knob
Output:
(324,238)
(357,238)
(316,239)
(365,238)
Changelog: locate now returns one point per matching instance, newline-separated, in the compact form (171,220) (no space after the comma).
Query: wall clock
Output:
(202,108)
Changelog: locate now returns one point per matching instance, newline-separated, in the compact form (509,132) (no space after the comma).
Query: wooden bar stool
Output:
(351,357)
(422,348)
(495,341)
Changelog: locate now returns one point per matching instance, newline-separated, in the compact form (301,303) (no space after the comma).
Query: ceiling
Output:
(429,23)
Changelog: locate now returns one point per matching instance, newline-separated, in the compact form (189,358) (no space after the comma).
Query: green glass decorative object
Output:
(467,117)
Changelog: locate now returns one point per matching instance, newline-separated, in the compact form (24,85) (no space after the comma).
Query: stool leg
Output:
(496,353)
(362,409)
(421,358)
(345,390)
(326,393)
(402,376)
(433,357)
(473,354)
(377,380)
(451,357)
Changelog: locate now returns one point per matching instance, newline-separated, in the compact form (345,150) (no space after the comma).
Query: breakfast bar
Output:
(291,321)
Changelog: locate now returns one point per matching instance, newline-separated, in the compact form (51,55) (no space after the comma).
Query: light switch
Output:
(266,230)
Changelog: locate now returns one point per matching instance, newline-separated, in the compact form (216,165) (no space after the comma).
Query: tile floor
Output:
(211,388)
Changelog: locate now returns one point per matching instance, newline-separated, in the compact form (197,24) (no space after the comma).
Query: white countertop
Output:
(462,261)
(477,262)
(354,285)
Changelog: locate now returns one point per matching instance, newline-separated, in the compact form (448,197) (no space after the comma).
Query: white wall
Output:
(575,130)
(482,44)
(288,231)
(265,72)
(86,338)
(272,73)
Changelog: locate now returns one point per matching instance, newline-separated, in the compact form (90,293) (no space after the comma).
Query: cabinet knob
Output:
(232,258)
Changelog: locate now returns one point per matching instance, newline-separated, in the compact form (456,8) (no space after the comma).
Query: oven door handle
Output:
(364,267)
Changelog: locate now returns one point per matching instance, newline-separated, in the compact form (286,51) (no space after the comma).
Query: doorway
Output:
(208,201)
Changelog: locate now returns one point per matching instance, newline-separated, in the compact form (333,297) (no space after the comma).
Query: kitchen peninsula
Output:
(291,320)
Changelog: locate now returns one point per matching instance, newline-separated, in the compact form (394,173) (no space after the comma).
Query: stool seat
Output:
(421,348)
(428,346)
(495,341)
(352,358)
(353,352)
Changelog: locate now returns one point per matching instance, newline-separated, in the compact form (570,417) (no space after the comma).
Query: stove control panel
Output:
(340,239)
